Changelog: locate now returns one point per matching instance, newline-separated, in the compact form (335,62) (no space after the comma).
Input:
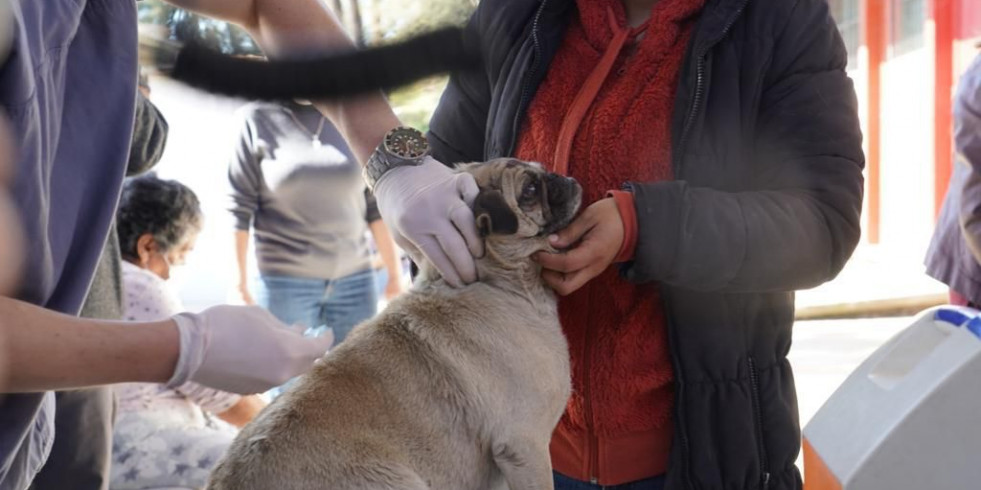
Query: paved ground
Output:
(874,274)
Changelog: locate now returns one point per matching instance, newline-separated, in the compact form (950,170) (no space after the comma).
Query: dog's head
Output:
(519,201)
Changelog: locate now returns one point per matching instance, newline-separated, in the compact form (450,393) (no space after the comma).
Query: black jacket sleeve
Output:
(801,222)
(458,126)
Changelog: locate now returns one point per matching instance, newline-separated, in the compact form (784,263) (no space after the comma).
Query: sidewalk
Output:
(875,282)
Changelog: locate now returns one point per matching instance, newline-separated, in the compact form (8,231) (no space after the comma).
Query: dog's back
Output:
(412,400)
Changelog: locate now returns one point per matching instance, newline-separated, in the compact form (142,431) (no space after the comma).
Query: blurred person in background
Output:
(165,437)
(384,288)
(954,256)
(296,186)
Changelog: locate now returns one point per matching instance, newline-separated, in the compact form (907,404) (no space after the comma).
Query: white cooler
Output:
(909,418)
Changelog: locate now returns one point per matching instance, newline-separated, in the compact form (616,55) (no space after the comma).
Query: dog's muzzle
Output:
(564,197)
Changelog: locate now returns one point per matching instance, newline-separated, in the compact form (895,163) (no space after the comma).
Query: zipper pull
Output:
(766,480)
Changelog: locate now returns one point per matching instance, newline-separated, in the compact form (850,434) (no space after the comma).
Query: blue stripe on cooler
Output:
(974,326)
(953,317)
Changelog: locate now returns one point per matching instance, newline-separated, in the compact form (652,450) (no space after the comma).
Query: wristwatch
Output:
(401,147)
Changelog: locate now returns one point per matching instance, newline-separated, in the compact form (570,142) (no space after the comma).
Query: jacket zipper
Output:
(754,379)
(526,82)
(700,85)
(679,382)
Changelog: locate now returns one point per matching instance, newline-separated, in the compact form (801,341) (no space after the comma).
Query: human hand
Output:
(245,295)
(427,209)
(599,233)
(242,349)
(393,287)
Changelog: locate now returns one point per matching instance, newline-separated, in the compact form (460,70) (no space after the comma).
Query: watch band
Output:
(374,168)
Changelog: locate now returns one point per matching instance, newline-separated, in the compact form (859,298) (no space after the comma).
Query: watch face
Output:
(406,143)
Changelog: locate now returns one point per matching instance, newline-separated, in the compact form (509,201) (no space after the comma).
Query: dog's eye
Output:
(530,191)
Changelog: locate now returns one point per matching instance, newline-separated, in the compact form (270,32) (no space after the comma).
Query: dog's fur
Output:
(447,389)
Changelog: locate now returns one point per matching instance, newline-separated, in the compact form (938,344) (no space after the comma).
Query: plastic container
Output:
(909,417)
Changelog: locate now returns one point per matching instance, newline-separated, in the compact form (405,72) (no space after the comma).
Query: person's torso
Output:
(311,216)
(621,402)
(69,90)
(715,339)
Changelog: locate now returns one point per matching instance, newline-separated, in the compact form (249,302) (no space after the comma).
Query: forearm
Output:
(711,240)
(244,411)
(301,27)
(362,120)
(241,255)
(291,28)
(386,249)
(44,350)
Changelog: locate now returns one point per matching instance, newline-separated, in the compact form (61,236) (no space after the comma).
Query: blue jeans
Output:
(381,281)
(563,482)
(338,304)
(318,304)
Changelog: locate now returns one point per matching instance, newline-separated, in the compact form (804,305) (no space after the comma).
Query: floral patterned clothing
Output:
(164,437)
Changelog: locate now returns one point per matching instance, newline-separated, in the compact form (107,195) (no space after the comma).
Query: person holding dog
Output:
(719,149)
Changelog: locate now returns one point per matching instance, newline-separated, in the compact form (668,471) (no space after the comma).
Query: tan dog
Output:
(447,389)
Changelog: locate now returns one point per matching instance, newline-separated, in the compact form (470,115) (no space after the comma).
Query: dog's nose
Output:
(560,188)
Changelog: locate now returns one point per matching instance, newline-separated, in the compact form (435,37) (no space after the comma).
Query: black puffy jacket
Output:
(767,200)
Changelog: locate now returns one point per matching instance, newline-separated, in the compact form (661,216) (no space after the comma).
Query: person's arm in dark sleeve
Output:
(149,137)
(459,123)
(800,227)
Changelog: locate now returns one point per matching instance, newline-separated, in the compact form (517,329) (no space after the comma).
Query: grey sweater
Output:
(304,200)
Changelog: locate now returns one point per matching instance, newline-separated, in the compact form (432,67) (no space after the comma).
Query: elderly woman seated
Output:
(165,437)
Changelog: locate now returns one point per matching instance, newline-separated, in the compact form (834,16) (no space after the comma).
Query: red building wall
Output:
(897,81)
(968,21)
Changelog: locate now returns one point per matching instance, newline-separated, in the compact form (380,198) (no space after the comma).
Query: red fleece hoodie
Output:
(602,115)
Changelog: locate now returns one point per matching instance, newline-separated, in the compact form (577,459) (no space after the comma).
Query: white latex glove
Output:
(427,208)
(242,349)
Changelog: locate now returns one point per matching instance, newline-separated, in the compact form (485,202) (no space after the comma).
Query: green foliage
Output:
(398,19)
(415,103)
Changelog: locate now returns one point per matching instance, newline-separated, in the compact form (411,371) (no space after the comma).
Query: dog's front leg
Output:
(525,464)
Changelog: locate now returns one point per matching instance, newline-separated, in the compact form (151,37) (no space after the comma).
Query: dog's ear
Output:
(493,215)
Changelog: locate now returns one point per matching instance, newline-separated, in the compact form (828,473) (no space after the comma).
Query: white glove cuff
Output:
(193,343)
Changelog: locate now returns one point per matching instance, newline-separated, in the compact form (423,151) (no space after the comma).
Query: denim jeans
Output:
(338,304)
(563,482)
(318,304)
(381,281)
